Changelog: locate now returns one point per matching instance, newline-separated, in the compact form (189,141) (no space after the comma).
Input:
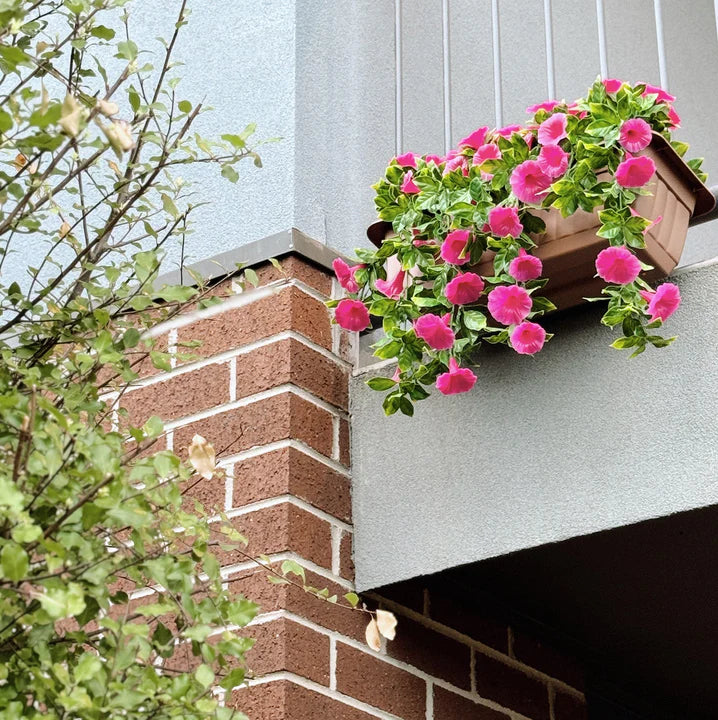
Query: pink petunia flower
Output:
(548,106)
(663,302)
(552,129)
(475,140)
(617,265)
(489,151)
(435,331)
(508,130)
(436,159)
(553,160)
(464,289)
(504,222)
(392,288)
(529,182)
(528,338)
(635,135)
(635,171)
(345,275)
(509,304)
(407,159)
(454,247)
(612,85)
(457,380)
(675,119)
(408,185)
(352,315)
(525,267)
(455,163)
(663,96)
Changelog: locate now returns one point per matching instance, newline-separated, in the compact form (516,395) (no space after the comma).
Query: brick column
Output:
(270,392)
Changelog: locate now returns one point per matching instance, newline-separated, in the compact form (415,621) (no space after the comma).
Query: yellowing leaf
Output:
(70,116)
(119,133)
(108,108)
(373,639)
(386,623)
(202,457)
(20,161)
(65,229)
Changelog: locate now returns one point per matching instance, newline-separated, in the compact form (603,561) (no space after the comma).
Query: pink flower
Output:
(456,162)
(457,380)
(663,302)
(490,151)
(509,304)
(635,171)
(408,185)
(475,140)
(675,119)
(618,265)
(396,377)
(529,182)
(504,222)
(635,135)
(420,243)
(435,331)
(525,267)
(553,160)
(391,288)
(345,275)
(548,106)
(453,249)
(552,129)
(663,96)
(436,159)
(464,289)
(352,315)
(407,159)
(508,130)
(528,338)
(612,85)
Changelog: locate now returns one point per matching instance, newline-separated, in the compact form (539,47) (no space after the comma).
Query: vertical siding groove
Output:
(447,73)
(398,66)
(550,64)
(662,65)
(715,2)
(498,102)
(602,49)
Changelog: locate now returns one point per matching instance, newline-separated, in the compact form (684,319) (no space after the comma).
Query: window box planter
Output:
(569,247)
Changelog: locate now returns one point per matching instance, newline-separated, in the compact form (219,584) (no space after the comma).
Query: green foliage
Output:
(89,513)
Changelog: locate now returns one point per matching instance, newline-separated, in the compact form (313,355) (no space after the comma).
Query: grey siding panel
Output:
(422,59)
(523,57)
(472,67)
(575,47)
(345,128)
(631,38)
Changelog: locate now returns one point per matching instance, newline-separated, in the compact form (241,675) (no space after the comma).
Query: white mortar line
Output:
(250,400)
(227,571)
(429,700)
(472,670)
(279,445)
(233,379)
(332,664)
(373,367)
(471,642)
(337,524)
(336,549)
(602,46)
(229,487)
(172,347)
(335,438)
(170,438)
(320,690)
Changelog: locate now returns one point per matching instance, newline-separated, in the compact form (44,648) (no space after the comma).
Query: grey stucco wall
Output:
(577,439)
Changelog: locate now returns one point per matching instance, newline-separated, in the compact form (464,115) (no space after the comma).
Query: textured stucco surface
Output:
(575,440)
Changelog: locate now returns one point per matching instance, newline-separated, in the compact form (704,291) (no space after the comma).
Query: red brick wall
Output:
(270,392)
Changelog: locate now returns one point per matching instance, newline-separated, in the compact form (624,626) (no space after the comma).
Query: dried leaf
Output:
(119,133)
(20,161)
(107,108)
(386,623)
(373,639)
(70,116)
(202,457)
(65,229)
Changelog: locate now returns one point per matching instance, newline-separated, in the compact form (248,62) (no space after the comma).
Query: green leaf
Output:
(204,675)
(381,383)
(474,320)
(294,568)
(352,599)
(184,106)
(14,562)
(230,173)
(102,32)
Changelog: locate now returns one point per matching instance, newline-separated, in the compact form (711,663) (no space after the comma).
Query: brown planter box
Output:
(570,245)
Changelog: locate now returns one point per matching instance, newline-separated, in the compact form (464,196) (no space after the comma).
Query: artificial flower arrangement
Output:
(487,195)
